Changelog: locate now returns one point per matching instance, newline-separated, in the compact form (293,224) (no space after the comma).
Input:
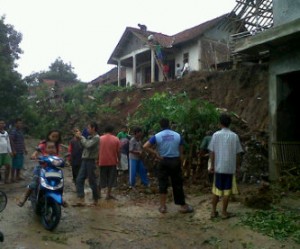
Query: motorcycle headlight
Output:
(46,185)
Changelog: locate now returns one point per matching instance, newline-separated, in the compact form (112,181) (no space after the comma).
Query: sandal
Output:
(65,204)
(187,209)
(228,215)
(162,209)
(214,215)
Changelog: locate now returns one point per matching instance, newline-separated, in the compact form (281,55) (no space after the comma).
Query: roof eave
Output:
(274,36)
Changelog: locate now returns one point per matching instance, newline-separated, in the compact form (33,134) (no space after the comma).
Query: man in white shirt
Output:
(186,68)
(225,149)
(5,151)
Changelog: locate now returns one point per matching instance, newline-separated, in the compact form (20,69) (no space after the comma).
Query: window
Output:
(185,57)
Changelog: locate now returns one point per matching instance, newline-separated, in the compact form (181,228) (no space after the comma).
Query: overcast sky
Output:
(85,33)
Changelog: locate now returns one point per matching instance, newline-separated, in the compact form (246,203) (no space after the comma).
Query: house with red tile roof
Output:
(111,77)
(141,54)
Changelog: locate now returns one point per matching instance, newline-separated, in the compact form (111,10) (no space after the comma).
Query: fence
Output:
(286,155)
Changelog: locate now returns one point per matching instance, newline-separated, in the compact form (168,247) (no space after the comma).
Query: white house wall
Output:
(215,38)
(193,50)
(129,79)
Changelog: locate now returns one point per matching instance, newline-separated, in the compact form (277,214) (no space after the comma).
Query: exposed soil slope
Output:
(243,91)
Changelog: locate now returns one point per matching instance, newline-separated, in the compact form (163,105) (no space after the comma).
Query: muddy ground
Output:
(132,221)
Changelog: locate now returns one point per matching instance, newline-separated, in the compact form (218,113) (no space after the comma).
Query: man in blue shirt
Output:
(169,146)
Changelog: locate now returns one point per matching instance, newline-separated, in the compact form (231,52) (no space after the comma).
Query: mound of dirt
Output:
(243,92)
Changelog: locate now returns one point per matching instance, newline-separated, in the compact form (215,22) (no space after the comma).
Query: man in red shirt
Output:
(109,157)
(166,71)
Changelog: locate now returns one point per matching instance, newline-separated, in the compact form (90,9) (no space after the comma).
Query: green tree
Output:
(12,88)
(191,118)
(59,70)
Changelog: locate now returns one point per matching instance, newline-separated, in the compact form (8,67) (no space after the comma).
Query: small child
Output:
(54,136)
(50,150)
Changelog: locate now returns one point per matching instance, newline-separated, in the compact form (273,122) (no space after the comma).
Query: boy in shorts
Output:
(5,151)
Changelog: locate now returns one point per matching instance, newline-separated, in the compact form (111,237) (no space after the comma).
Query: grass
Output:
(277,223)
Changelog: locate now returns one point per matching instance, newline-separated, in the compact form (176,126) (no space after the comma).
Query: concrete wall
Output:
(129,78)
(285,11)
(218,38)
(193,50)
(281,63)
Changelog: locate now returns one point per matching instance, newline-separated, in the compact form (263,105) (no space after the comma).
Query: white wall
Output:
(194,55)
(129,78)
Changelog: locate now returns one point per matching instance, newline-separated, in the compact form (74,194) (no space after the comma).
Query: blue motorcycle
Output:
(47,198)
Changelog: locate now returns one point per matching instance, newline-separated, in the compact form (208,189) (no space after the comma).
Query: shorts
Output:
(18,161)
(224,184)
(5,159)
(123,162)
(108,176)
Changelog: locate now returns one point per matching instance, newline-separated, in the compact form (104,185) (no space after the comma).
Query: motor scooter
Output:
(47,199)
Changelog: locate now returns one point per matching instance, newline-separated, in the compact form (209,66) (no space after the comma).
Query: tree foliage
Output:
(12,87)
(191,118)
(58,71)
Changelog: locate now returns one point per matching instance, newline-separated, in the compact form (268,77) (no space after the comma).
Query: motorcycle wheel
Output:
(51,215)
(3,200)
(1,237)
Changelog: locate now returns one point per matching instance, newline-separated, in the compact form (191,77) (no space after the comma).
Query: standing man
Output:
(169,147)
(204,154)
(18,150)
(75,150)
(88,164)
(109,157)
(124,139)
(178,71)
(136,162)
(5,151)
(186,68)
(225,149)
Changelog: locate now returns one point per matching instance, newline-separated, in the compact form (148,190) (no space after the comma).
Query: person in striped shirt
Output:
(18,149)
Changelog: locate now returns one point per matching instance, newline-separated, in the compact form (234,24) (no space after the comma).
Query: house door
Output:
(288,111)
(285,150)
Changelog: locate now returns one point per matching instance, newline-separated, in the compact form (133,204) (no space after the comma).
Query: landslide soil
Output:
(243,91)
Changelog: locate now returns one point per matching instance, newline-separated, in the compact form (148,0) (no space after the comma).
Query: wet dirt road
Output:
(132,221)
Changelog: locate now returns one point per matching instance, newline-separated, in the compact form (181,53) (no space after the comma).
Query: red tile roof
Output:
(198,30)
(110,76)
(164,40)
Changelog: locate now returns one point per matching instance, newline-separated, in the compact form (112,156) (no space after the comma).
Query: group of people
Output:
(166,146)
(182,71)
(108,152)
(225,152)
(12,151)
